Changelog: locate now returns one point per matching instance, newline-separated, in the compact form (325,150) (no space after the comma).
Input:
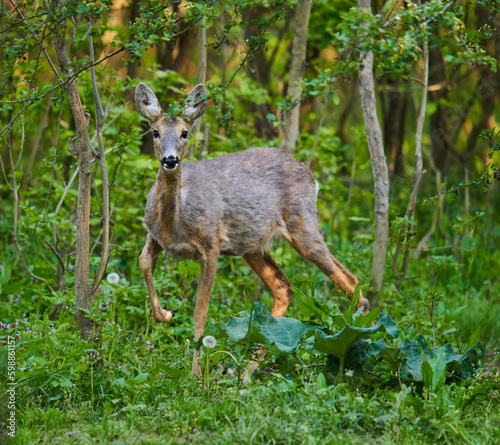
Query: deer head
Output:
(170,134)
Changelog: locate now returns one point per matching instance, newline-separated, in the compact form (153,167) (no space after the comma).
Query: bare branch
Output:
(56,253)
(16,217)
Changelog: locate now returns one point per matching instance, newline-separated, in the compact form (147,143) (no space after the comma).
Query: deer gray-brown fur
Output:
(231,205)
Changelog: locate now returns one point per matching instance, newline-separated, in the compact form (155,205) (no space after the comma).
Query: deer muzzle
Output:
(170,163)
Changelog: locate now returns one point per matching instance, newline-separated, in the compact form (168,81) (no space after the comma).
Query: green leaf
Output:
(141,377)
(321,381)
(474,337)
(354,359)
(283,333)
(339,344)
(388,5)
(308,305)
(427,374)
(413,350)
(438,364)
(416,352)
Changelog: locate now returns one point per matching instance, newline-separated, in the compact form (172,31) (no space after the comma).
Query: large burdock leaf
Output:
(413,350)
(339,343)
(417,353)
(283,333)
(343,342)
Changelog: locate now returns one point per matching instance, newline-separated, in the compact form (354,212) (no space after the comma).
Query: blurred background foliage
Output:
(248,44)
(454,247)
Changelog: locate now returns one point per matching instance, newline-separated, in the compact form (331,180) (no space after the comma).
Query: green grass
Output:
(276,410)
(139,391)
(133,385)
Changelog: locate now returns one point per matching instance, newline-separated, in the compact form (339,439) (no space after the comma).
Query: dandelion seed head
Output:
(113,278)
(209,342)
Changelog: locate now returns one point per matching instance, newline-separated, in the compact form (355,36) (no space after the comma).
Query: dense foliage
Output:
(421,368)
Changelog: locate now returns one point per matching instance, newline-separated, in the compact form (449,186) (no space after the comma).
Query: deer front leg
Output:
(150,251)
(205,285)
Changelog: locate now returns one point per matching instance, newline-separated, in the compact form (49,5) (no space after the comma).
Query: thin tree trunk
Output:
(100,116)
(83,152)
(298,64)
(407,231)
(379,167)
(202,76)
(132,67)
(439,122)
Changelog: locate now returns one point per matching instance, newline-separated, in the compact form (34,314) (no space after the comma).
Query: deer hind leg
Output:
(150,251)
(311,246)
(279,286)
(275,280)
(205,285)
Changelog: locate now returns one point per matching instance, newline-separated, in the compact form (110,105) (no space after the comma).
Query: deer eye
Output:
(156,134)
(184,134)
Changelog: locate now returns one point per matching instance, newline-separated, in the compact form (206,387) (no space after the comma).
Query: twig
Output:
(54,166)
(316,136)
(16,216)
(56,253)
(247,55)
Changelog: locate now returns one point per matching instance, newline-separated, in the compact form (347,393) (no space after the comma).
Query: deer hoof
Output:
(171,312)
(163,316)
(365,303)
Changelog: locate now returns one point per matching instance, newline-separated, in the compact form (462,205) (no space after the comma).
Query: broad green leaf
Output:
(141,377)
(358,355)
(459,365)
(368,319)
(283,333)
(338,344)
(412,366)
(355,357)
(321,381)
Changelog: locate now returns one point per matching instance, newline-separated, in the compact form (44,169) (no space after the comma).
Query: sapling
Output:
(430,303)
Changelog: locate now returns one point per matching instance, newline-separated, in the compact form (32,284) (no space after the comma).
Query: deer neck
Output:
(168,191)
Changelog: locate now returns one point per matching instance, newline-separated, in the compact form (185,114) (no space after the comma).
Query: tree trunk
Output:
(202,77)
(259,69)
(407,231)
(82,288)
(298,64)
(440,126)
(379,167)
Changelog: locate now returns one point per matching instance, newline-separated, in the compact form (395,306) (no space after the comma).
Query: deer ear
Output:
(146,103)
(196,103)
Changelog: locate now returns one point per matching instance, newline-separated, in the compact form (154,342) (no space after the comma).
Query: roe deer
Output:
(230,205)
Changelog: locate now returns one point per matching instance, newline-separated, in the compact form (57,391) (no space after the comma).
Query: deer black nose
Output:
(170,163)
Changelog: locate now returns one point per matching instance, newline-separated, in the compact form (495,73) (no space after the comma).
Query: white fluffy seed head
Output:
(209,342)
(113,278)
